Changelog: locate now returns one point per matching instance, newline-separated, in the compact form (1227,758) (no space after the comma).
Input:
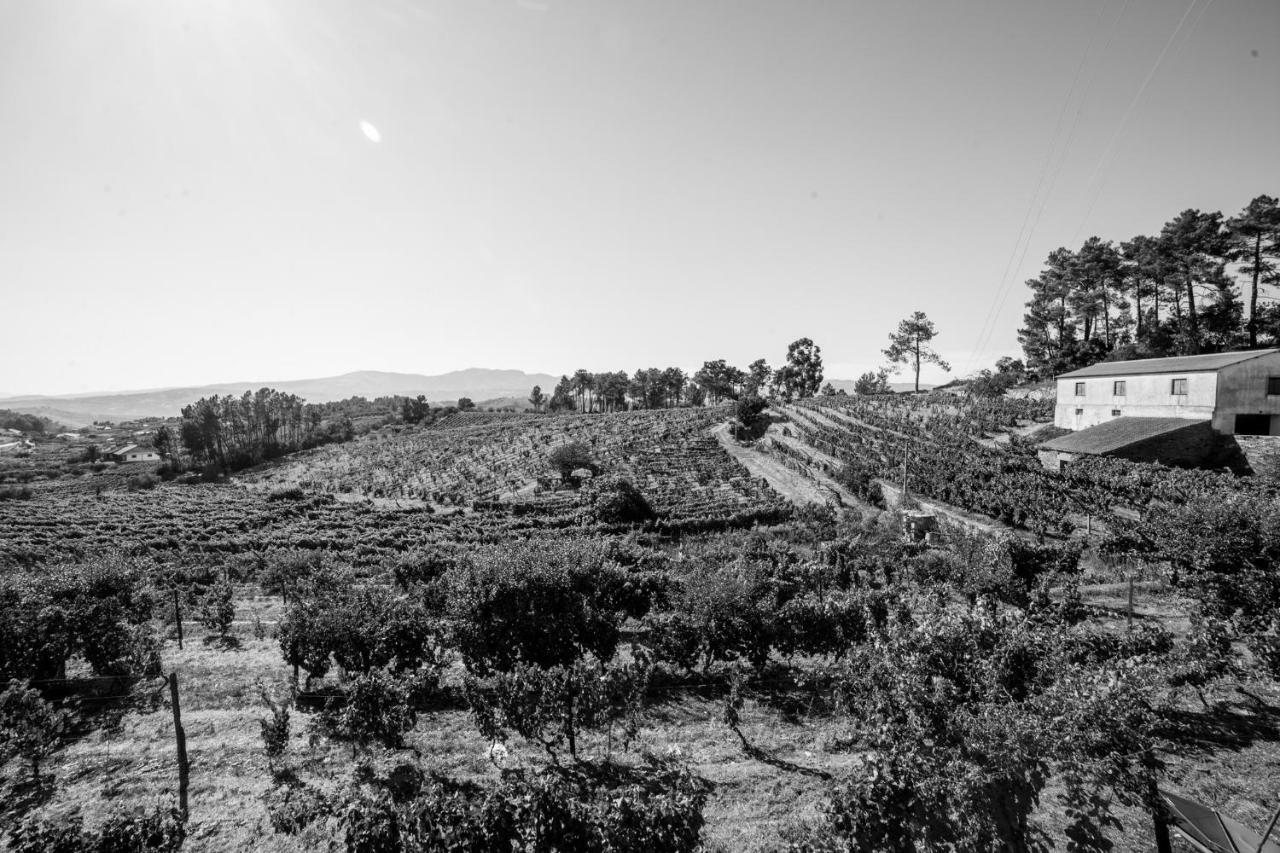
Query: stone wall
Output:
(1261,451)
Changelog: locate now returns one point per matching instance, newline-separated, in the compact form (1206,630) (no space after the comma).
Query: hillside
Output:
(477,383)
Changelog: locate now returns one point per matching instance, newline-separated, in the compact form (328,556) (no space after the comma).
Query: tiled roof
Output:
(1118,433)
(1176,364)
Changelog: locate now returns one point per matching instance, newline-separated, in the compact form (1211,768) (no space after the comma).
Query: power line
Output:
(993,311)
(1124,119)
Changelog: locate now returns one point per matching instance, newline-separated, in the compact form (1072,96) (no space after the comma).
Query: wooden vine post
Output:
(180,736)
(177,615)
(1129,615)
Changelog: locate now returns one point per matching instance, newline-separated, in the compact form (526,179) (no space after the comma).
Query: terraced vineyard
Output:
(680,469)
(688,479)
(939,438)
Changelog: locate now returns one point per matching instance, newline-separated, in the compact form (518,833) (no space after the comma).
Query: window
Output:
(1117,388)
(1273,386)
(1079,389)
(1079,412)
(1178,387)
(1115,413)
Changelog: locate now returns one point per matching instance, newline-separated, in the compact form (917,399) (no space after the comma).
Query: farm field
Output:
(423,598)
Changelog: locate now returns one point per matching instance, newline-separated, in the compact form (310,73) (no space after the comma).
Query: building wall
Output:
(1146,396)
(1242,390)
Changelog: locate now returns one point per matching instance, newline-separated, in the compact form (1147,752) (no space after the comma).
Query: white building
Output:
(1237,392)
(136,453)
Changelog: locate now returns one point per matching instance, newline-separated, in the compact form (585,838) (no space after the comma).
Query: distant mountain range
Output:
(480,384)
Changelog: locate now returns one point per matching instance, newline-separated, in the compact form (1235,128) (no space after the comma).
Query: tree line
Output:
(23,422)
(228,433)
(714,383)
(1204,283)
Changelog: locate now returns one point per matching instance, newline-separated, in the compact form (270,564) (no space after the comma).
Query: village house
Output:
(134,453)
(1173,410)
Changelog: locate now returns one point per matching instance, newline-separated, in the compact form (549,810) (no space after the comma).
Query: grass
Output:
(1228,755)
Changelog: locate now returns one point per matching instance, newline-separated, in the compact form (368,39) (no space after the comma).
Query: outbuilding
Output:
(136,453)
(1172,410)
(1237,392)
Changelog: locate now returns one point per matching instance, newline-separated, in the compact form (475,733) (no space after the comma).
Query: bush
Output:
(539,602)
(1226,552)
(571,457)
(361,627)
(750,414)
(376,706)
(719,615)
(15,493)
(275,729)
(286,493)
(97,609)
(142,482)
(552,706)
(657,808)
(617,501)
(161,830)
(217,607)
(30,727)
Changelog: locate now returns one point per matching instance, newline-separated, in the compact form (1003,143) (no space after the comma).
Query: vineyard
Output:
(432,639)
(944,445)
(499,461)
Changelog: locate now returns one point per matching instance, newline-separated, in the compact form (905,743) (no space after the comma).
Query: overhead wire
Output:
(1025,233)
(1128,113)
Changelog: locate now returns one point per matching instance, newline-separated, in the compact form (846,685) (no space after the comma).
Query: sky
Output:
(198,191)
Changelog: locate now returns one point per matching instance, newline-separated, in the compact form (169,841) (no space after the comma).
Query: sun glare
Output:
(370,131)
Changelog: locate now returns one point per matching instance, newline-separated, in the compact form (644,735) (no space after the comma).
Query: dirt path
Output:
(793,486)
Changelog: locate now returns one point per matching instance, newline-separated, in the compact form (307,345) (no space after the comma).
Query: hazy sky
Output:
(202,190)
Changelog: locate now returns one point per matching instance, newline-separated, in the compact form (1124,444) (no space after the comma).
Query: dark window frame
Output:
(1273,386)
(1118,388)
(1115,413)
(1174,386)
(1079,389)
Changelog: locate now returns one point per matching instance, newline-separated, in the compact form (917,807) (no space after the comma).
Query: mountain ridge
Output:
(475,382)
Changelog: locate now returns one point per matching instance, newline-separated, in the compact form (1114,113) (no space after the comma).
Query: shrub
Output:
(97,609)
(30,727)
(617,501)
(160,830)
(360,627)
(376,706)
(286,493)
(275,729)
(544,603)
(217,608)
(571,457)
(15,493)
(142,482)
(552,706)
(725,612)
(656,808)
(750,414)
(1226,552)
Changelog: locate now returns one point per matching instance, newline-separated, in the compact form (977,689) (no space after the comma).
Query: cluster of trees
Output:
(228,433)
(26,423)
(715,382)
(1175,293)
